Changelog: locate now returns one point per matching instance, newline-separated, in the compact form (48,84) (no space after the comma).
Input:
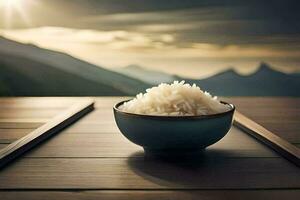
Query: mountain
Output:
(264,82)
(27,70)
(149,76)
(37,79)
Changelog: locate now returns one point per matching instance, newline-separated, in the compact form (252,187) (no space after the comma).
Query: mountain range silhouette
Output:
(264,82)
(27,70)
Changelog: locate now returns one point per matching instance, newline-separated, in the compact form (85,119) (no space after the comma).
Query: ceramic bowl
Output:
(173,134)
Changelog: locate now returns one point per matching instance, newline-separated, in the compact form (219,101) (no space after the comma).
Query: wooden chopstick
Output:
(283,147)
(52,127)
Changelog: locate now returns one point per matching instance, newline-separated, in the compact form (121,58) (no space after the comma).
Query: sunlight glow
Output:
(113,49)
(12,7)
(10,2)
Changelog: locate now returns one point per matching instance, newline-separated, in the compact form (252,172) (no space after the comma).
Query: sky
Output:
(185,37)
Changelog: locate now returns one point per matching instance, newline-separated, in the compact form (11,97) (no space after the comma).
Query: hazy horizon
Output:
(193,72)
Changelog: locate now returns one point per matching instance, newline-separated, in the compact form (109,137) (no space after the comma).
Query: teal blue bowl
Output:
(173,134)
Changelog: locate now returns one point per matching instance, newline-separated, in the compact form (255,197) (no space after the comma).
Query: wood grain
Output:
(234,144)
(143,173)
(13,134)
(280,115)
(58,123)
(281,146)
(94,161)
(150,195)
(55,102)
(34,102)
(87,127)
(2,146)
(22,123)
(28,113)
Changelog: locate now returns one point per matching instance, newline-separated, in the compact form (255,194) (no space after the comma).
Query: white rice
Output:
(176,99)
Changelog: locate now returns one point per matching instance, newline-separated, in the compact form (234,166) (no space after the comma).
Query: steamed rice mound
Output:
(176,99)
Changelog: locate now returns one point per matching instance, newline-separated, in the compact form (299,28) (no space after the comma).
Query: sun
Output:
(14,10)
(10,3)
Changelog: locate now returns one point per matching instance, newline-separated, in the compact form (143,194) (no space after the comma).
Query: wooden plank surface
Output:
(2,146)
(281,115)
(58,123)
(34,102)
(92,155)
(102,144)
(12,134)
(18,123)
(283,147)
(150,195)
(11,113)
(140,173)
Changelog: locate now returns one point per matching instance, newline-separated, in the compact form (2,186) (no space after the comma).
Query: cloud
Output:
(209,21)
(155,43)
(218,25)
(109,39)
(160,51)
(165,33)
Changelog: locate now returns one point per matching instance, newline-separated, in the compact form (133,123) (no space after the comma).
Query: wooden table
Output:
(92,160)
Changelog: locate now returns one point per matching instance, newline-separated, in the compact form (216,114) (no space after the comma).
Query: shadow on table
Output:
(184,171)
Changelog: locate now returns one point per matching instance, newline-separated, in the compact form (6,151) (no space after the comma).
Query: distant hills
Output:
(33,78)
(149,76)
(27,70)
(264,82)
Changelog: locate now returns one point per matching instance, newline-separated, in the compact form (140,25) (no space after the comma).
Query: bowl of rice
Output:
(174,118)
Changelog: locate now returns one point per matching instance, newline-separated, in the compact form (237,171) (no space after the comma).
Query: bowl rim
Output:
(116,109)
